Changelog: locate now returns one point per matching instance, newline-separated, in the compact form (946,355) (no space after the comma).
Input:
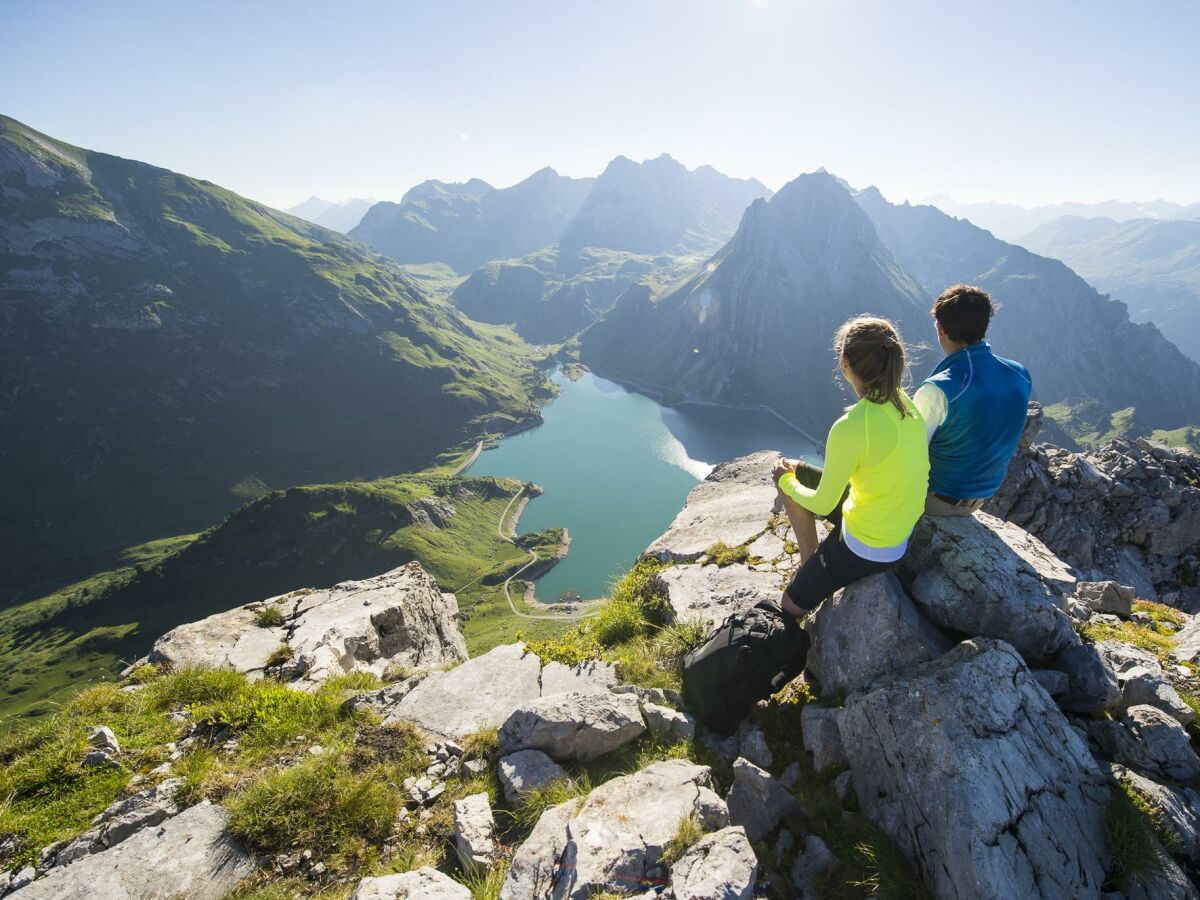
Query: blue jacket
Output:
(986,400)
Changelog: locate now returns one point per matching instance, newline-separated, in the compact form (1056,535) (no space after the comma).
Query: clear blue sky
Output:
(1029,102)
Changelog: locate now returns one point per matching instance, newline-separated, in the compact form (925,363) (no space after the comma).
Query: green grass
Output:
(1088,425)
(721,555)
(686,834)
(269,616)
(1145,637)
(1134,851)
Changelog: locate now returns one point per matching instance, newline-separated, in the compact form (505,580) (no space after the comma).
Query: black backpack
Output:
(751,655)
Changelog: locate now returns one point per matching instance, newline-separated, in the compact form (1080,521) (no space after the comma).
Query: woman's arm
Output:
(844,450)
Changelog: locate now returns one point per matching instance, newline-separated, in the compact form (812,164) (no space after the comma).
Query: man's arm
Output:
(930,401)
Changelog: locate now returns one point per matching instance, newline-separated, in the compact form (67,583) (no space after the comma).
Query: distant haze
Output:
(1025,102)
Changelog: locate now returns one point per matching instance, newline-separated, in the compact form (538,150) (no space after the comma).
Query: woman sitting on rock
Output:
(876,473)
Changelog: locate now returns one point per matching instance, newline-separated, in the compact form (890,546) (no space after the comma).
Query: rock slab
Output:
(421,884)
(525,771)
(576,726)
(978,777)
(719,866)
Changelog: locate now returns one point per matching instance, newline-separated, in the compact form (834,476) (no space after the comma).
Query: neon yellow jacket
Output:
(885,460)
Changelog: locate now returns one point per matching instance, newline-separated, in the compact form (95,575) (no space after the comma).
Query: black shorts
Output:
(834,565)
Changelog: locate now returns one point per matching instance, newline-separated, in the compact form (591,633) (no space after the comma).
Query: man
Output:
(974,406)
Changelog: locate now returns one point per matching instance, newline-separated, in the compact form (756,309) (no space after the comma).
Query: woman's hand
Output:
(781,468)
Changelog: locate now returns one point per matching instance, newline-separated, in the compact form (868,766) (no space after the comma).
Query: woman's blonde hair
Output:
(875,353)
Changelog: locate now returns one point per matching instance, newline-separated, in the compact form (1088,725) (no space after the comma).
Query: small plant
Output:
(1160,612)
(268,616)
(143,673)
(482,744)
(537,801)
(1133,847)
(723,555)
(686,833)
(279,656)
(1145,637)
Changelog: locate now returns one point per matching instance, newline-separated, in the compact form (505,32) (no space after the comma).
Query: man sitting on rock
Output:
(973,404)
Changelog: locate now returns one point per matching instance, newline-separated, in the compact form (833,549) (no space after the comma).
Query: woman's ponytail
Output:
(875,352)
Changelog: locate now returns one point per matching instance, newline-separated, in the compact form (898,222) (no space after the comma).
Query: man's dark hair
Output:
(964,311)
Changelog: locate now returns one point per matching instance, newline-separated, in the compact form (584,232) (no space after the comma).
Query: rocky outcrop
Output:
(396,620)
(719,865)
(867,630)
(980,576)
(484,691)
(975,773)
(574,726)
(186,856)
(420,884)
(120,821)
(1129,511)
(1142,681)
(615,837)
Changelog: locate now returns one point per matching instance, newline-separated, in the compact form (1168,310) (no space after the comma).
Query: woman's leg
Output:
(803,522)
(833,566)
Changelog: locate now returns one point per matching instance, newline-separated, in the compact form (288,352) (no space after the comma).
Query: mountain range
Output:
(1011,222)
(653,207)
(1153,265)
(336,215)
(754,324)
(169,349)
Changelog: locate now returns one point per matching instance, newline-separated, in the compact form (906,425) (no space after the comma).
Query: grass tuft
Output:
(722,555)
(1134,852)
(268,616)
(687,832)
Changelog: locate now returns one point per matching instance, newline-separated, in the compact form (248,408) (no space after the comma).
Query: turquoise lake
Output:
(616,467)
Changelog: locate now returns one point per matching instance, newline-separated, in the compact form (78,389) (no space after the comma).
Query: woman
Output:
(879,449)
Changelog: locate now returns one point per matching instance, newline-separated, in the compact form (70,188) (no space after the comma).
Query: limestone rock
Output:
(978,777)
(731,505)
(757,801)
(399,618)
(1106,597)
(710,593)
(102,738)
(752,745)
(1187,642)
(669,724)
(484,691)
(813,860)
(422,884)
(122,820)
(819,726)
(525,771)
(474,832)
(1091,686)
(186,856)
(980,576)
(576,726)
(719,866)
(867,630)
(1141,681)
(615,837)
(1165,741)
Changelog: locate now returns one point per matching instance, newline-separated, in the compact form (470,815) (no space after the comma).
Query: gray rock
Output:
(977,776)
(95,759)
(1141,681)
(1177,810)
(844,659)
(1091,684)
(731,505)
(790,776)
(710,593)
(21,878)
(812,861)
(484,691)
(1106,597)
(819,727)
(1165,742)
(185,856)
(422,884)
(752,745)
(842,785)
(719,866)
(525,771)
(1170,883)
(474,833)
(979,575)
(668,724)
(576,726)
(121,820)
(1187,642)
(757,801)
(399,618)
(1053,682)
(102,738)
(615,837)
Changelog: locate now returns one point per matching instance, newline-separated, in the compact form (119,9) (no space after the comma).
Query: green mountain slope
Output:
(313,536)
(167,347)
(1151,264)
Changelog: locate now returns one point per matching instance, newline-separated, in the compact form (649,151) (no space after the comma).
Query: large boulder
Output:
(731,505)
(1165,743)
(710,593)
(576,726)
(980,576)
(719,866)
(978,777)
(484,691)
(185,856)
(615,837)
(866,630)
(420,884)
(396,620)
